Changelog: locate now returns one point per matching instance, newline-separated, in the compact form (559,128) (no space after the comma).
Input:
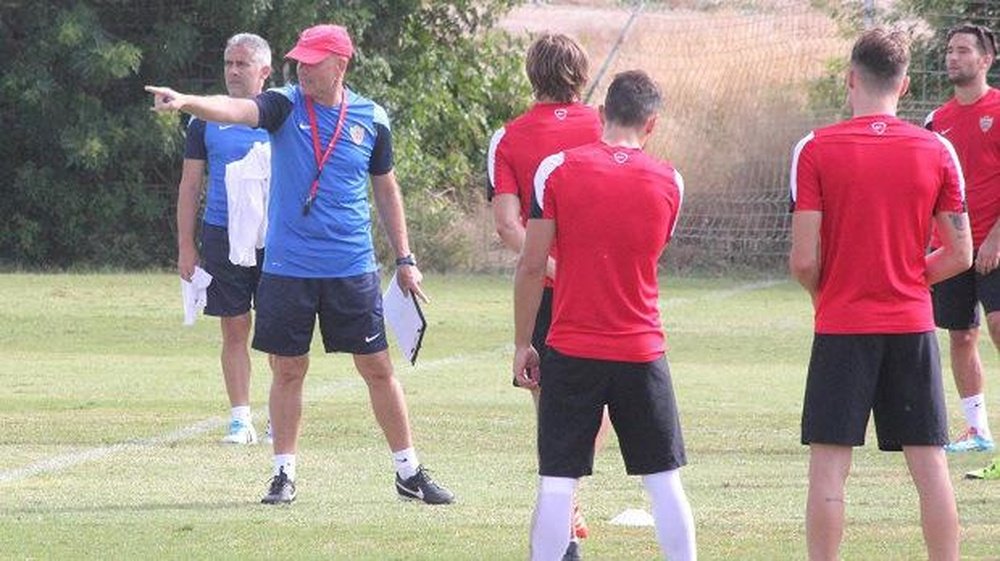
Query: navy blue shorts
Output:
(956,299)
(233,287)
(895,377)
(349,311)
(641,404)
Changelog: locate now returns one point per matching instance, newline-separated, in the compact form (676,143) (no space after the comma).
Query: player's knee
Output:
(965,339)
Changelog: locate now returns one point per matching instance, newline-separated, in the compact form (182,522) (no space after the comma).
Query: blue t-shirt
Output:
(334,239)
(219,145)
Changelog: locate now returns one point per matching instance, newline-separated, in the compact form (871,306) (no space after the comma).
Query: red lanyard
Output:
(321,160)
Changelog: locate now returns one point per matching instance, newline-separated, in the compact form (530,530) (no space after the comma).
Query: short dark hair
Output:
(557,67)
(633,97)
(882,56)
(985,40)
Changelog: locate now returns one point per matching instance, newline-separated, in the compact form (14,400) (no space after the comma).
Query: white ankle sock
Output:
(553,520)
(406,462)
(286,462)
(672,514)
(241,413)
(974,408)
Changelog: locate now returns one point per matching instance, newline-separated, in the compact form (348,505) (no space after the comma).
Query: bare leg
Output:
(602,433)
(386,395)
(235,358)
(938,512)
(966,366)
(289,373)
(829,467)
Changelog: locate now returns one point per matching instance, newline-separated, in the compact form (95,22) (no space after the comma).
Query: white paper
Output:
(194,294)
(404,318)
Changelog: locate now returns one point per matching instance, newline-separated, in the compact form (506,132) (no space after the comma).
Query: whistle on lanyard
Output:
(313,189)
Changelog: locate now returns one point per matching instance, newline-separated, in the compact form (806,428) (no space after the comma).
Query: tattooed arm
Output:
(955,253)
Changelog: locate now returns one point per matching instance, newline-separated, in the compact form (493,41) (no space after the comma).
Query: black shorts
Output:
(640,400)
(956,299)
(233,287)
(349,310)
(543,320)
(896,377)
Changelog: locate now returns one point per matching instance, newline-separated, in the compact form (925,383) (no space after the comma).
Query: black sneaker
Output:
(282,490)
(421,487)
(572,552)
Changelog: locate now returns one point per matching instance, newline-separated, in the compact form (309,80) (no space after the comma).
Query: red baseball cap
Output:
(321,41)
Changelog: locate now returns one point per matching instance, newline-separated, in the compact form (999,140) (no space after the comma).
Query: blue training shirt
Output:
(219,145)
(334,239)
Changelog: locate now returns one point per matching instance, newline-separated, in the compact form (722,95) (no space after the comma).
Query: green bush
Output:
(92,173)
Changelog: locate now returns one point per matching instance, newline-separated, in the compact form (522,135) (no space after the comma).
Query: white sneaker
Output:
(240,433)
(268,437)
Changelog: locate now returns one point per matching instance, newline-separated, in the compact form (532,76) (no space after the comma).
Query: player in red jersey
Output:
(557,69)
(865,194)
(971,121)
(610,210)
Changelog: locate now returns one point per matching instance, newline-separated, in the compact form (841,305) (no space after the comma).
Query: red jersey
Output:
(614,209)
(974,131)
(878,182)
(517,148)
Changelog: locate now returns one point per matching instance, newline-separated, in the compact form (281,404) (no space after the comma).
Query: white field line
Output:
(66,461)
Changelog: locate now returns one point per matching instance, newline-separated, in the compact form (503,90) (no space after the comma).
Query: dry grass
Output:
(734,74)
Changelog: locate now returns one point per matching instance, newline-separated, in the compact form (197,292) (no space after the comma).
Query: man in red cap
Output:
(326,142)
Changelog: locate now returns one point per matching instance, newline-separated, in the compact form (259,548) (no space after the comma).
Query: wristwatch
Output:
(406,260)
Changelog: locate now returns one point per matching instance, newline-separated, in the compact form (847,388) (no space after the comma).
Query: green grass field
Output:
(111,413)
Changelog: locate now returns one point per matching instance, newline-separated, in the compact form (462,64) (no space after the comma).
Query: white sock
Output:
(975,414)
(553,518)
(406,462)
(285,462)
(672,514)
(241,413)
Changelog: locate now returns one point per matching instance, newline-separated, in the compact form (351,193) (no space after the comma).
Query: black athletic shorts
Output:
(641,404)
(233,287)
(543,321)
(956,299)
(349,310)
(896,377)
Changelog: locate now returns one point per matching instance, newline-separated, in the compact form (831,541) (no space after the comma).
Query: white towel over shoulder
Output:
(248,183)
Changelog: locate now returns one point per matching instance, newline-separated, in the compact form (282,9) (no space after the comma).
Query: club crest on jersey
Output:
(879,127)
(620,157)
(986,122)
(561,113)
(357,134)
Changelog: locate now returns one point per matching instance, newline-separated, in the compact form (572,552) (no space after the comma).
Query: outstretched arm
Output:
(215,108)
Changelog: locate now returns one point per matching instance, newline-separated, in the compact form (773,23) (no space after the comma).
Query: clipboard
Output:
(405,319)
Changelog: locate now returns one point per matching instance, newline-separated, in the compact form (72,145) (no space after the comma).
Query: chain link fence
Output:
(738,78)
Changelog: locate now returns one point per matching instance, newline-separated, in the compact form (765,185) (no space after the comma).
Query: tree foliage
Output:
(91,173)
(928,22)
